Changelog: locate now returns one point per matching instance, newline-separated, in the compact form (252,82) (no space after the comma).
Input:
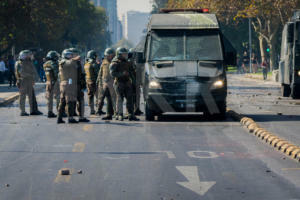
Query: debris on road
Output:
(65,172)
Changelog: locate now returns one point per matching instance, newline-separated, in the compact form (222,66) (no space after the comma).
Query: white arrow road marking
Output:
(194,183)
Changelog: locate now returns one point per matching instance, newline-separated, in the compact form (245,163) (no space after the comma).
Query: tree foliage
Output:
(268,18)
(51,24)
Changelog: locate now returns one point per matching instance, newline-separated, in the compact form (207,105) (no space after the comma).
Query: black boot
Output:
(23,114)
(100,112)
(51,115)
(36,113)
(138,112)
(133,118)
(107,118)
(60,121)
(85,120)
(72,121)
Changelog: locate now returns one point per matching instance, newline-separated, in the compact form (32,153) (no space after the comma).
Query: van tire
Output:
(222,109)
(295,94)
(149,115)
(285,90)
(219,116)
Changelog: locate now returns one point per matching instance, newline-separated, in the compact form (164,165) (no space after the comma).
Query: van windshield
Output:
(185,45)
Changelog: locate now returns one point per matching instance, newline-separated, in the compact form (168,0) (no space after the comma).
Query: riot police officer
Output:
(52,84)
(120,70)
(81,85)
(91,69)
(26,75)
(137,81)
(68,74)
(105,84)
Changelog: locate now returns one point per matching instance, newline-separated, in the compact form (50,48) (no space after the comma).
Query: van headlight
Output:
(218,84)
(154,85)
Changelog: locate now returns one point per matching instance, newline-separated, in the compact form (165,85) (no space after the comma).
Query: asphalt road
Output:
(179,158)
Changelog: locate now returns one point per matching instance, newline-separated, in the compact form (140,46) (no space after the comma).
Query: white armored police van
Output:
(289,66)
(185,64)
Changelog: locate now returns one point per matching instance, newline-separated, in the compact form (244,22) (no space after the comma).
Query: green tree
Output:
(51,24)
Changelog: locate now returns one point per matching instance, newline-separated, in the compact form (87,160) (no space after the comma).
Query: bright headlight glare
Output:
(299,73)
(154,85)
(218,84)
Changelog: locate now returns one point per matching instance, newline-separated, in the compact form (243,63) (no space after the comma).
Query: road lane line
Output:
(78,147)
(170,154)
(87,127)
(290,169)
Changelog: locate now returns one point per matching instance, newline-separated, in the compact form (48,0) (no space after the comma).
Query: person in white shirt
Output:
(2,70)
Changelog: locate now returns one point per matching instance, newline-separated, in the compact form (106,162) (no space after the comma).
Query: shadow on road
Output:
(252,88)
(273,118)
(190,118)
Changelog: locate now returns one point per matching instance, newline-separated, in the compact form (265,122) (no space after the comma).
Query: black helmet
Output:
(109,51)
(74,51)
(25,54)
(92,55)
(52,55)
(120,51)
(131,53)
(67,54)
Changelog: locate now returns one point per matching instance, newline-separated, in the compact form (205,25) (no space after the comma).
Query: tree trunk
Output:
(271,45)
(262,47)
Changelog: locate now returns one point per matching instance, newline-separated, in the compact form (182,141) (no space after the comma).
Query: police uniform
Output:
(91,69)
(51,69)
(68,74)
(26,76)
(80,93)
(120,71)
(106,88)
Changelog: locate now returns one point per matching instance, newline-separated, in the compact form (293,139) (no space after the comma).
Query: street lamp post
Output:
(250,45)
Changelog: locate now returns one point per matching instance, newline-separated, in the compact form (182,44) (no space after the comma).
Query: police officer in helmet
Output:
(81,85)
(51,68)
(121,71)
(68,74)
(26,75)
(106,88)
(91,69)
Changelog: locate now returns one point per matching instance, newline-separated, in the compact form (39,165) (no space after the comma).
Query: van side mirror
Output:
(140,59)
(230,58)
(290,33)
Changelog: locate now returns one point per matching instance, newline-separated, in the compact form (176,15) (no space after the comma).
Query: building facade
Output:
(135,25)
(112,14)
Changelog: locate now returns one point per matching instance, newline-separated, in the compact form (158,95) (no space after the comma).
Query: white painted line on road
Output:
(78,147)
(207,154)
(170,154)
(194,183)
(116,158)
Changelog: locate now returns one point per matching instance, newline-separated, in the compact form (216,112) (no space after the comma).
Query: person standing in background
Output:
(11,71)
(254,63)
(264,66)
(2,69)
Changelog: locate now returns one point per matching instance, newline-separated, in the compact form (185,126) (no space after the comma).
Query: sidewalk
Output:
(9,95)
(261,101)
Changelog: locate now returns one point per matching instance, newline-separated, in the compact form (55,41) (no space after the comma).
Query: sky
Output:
(137,5)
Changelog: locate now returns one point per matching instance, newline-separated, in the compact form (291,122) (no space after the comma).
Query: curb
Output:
(286,147)
(11,99)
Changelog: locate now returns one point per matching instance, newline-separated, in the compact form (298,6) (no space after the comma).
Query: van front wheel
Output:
(285,90)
